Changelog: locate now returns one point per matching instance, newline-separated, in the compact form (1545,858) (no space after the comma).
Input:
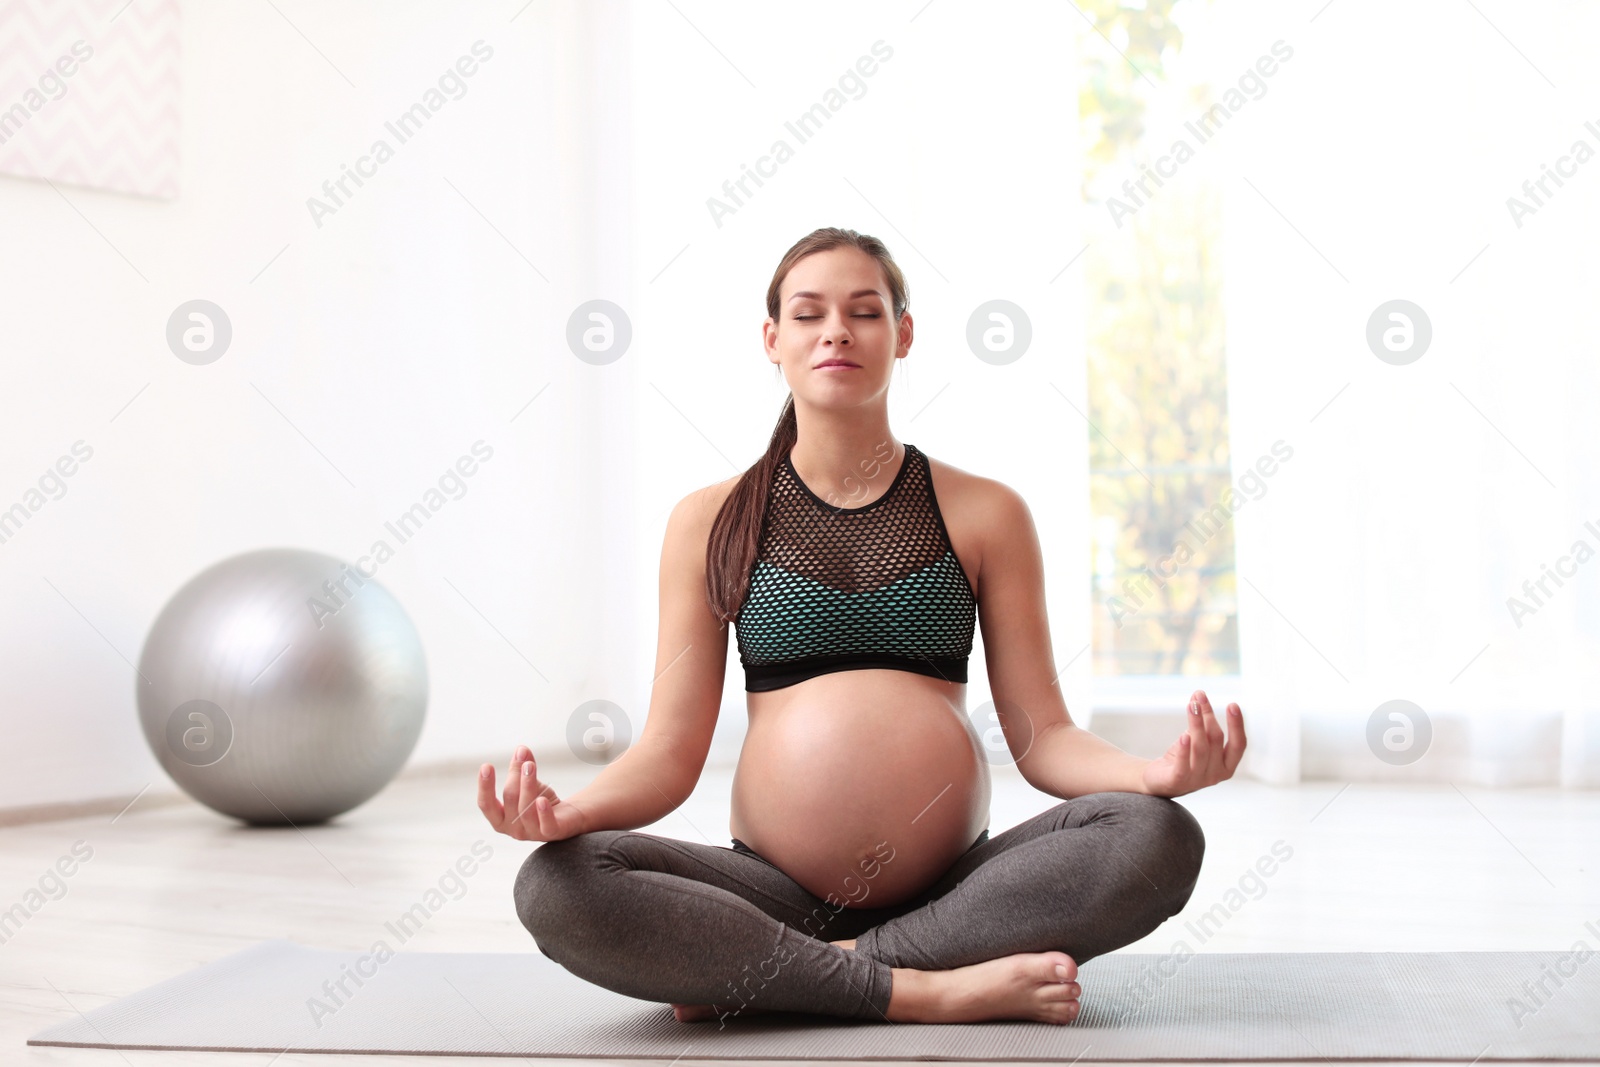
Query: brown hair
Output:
(736,532)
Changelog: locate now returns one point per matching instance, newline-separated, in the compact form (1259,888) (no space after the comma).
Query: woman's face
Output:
(835,307)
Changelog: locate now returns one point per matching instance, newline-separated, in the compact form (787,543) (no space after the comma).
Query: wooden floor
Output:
(1372,868)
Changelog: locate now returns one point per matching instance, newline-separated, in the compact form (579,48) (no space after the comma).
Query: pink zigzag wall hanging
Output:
(89,93)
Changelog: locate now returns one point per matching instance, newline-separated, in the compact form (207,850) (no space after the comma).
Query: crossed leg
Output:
(675,921)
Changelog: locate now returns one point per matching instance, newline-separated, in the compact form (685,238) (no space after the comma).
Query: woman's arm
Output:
(657,774)
(1054,754)
(532,811)
(1201,756)
(645,783)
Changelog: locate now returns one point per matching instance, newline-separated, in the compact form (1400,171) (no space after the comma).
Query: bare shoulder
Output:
(702,505)
(983,500)
(985,516)
(693,515)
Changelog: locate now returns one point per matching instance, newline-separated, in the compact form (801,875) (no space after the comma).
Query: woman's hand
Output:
(532,811)
(1200,756)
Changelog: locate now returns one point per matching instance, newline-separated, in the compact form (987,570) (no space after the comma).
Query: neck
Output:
(843,454)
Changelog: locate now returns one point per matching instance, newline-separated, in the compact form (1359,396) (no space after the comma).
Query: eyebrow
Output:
(818,296)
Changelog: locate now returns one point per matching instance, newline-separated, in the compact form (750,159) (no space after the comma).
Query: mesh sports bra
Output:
(839,589)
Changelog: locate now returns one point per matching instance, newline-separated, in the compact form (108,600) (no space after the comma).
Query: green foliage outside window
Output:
(1159,458)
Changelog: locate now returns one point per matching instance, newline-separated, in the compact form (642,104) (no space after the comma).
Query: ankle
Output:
(914,996)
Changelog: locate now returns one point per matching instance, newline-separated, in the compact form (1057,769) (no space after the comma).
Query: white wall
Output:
(412,323)
(393,337)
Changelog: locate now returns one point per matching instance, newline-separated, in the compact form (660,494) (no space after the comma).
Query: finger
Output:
(549,821)
(1178,753)
(532,788)
(527,790)
(1183,772)
(1236,739)
(1169,766)
(1214,739)
(488,803)
(511,796)
(1199,744)
(526,812)
(1209,715)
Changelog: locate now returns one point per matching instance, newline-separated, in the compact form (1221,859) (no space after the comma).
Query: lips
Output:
(835,363)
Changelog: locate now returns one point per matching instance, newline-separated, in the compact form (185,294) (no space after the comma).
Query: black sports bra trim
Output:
(899,476)
(764,678)
(950,545)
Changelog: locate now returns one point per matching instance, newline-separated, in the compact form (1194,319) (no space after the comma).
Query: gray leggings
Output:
(681,922)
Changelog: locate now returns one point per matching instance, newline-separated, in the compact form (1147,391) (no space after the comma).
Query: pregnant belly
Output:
(863,786)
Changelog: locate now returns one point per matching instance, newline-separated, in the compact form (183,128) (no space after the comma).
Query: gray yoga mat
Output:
(1234,1006)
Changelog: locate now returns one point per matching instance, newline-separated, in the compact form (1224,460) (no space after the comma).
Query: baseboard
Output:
(171,796)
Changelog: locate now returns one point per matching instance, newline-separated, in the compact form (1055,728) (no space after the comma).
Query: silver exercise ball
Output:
(282,686)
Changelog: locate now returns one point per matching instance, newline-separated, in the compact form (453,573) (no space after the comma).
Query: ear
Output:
(769,341)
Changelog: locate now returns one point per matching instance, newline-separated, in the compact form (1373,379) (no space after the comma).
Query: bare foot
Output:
(699,1013)
(693,1013)
(1034,986)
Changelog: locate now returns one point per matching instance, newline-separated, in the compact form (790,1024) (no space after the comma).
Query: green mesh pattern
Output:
(847,588)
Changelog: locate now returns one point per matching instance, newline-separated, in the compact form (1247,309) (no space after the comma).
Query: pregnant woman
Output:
(862,880)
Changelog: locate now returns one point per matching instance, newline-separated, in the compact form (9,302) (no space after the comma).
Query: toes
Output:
(692,1013)
(1060,966)
(1059,1011)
